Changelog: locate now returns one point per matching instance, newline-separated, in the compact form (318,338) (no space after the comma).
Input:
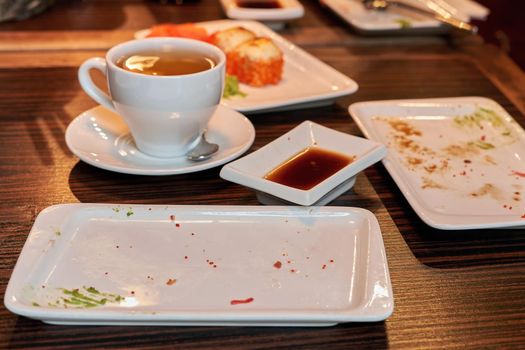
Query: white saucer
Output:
(101,138)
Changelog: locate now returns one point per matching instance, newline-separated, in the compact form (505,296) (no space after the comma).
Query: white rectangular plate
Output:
(306,82)
(398,19)
(458,161)
(187,265)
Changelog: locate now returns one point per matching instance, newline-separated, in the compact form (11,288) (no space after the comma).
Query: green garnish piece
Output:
(231,87)
(35,304)
(92,290)
(478,117)
(403,23)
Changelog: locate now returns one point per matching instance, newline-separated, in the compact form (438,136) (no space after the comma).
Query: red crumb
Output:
(483,138)
(172,217)
(331,260)
(324,266)
(132,292)
(277,264)
(171,281)
(243,301)
(177,225)
(514,172)
(186,257)
(293,271)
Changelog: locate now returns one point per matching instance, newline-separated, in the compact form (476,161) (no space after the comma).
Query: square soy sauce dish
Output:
(273,13)
(309,165)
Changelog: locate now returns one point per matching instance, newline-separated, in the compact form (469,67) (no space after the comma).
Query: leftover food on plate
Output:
(253,60)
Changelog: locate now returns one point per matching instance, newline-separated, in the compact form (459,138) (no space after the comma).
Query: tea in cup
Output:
(165,89)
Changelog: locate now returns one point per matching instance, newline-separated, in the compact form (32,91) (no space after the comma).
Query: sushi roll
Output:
(229,39)
(256,62)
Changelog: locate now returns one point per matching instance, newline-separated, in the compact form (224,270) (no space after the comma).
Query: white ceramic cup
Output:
(166,115)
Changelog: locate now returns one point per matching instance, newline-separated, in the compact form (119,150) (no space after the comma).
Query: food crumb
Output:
(171,281)
(324,267)
(277,264)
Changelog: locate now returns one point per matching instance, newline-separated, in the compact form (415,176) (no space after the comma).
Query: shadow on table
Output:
(73,15)
(32,333)
(448,249)
(90,184)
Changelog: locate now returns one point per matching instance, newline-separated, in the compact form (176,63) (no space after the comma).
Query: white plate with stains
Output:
(100,264)
(306,82)
(399,20)
(458,161)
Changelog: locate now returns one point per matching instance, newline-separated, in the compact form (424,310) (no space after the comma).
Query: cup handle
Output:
(87,83)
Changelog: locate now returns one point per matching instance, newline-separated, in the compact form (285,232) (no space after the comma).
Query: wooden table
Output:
(453,289)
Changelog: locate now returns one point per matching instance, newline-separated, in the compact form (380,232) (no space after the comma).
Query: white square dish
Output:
(250,170)
(458,161)
(306,82)
(104,264)
(273,17)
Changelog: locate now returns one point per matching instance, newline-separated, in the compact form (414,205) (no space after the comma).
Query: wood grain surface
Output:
(452,289)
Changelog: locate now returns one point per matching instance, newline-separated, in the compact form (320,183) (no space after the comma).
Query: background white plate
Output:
(273,17)
(397,19)
(307,81)
(455,176)
(183,265)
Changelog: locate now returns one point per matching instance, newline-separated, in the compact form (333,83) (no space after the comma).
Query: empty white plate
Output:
(202,265)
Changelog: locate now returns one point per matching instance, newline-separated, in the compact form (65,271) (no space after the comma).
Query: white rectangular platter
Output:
(399,20)
(96,264)
(458,161)
(306,82)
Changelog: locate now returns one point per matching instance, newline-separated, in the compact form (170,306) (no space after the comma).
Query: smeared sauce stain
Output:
(490,190)
(462,150)
(430,183)
(241,301)
(517,173)
(403,127)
